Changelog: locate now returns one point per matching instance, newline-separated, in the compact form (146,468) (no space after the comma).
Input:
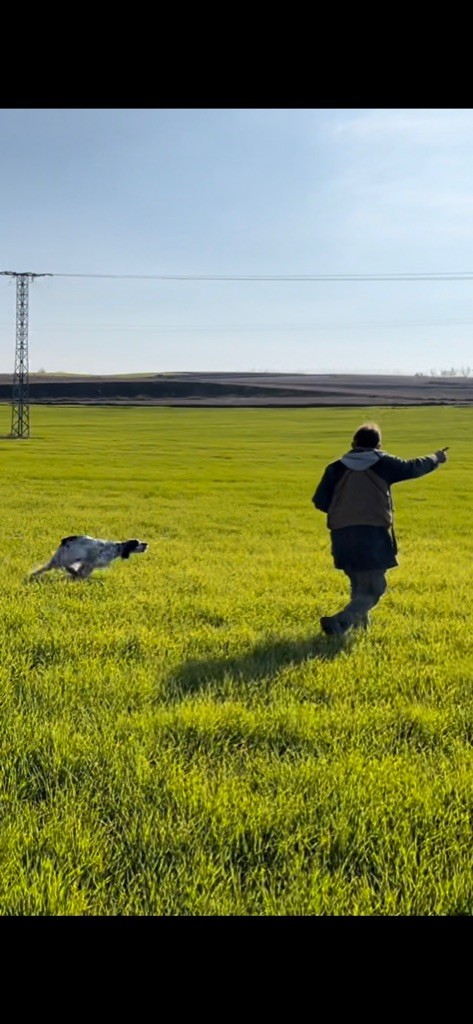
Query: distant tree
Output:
(454,371)
(41,370)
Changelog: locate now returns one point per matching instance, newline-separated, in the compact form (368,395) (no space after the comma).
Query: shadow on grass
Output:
(47,579)
(263,662)
(10,437)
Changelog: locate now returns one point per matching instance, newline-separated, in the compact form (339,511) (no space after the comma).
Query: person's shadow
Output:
(263,662)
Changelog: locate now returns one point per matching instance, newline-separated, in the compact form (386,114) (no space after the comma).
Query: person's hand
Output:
(441,455)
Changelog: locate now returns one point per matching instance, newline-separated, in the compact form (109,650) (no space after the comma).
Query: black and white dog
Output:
(79,556)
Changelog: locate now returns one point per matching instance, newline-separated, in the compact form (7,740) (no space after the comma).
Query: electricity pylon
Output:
(20,423)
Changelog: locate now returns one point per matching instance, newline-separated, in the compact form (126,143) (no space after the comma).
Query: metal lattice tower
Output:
(20,423)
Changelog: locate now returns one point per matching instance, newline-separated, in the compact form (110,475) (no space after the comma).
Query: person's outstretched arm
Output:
(394,470)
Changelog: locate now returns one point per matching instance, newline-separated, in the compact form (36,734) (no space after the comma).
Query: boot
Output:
(332,626)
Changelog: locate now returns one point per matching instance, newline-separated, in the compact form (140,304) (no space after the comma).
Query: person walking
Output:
(355,493)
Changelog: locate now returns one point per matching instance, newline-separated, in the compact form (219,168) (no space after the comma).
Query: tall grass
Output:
(178,736)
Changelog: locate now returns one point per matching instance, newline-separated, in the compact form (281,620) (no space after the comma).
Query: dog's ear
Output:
(127,547)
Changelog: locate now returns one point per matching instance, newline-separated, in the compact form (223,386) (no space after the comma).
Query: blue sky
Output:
(238,192)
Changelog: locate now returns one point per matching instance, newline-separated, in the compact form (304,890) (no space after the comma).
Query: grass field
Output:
(178,736)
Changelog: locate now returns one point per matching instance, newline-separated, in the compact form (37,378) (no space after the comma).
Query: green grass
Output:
(178,736)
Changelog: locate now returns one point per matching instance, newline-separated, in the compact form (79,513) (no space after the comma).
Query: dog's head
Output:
(131,547)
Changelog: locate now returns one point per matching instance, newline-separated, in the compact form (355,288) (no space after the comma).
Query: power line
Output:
(250,328)
(447,276)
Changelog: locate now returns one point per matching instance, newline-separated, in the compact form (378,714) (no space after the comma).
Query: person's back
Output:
(355,493)
(361,497)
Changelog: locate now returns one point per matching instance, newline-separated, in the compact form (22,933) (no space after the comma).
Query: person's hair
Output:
(367,436)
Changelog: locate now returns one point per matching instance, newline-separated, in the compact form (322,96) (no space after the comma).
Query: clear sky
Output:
(238,192)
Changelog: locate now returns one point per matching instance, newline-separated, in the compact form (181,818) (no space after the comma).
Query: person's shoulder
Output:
(386,459)
(387,465)
(333,468)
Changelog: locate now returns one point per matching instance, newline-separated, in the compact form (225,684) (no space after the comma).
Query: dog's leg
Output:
(84,570)
(71,571)
(44,568)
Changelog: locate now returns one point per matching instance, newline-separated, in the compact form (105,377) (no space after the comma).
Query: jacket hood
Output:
(362,458)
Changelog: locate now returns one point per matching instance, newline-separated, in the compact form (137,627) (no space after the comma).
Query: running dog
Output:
(80,555)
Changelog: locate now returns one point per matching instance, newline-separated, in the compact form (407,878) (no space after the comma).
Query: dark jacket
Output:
(358,548)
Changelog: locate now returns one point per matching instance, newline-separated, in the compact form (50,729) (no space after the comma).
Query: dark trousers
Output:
(367,588)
